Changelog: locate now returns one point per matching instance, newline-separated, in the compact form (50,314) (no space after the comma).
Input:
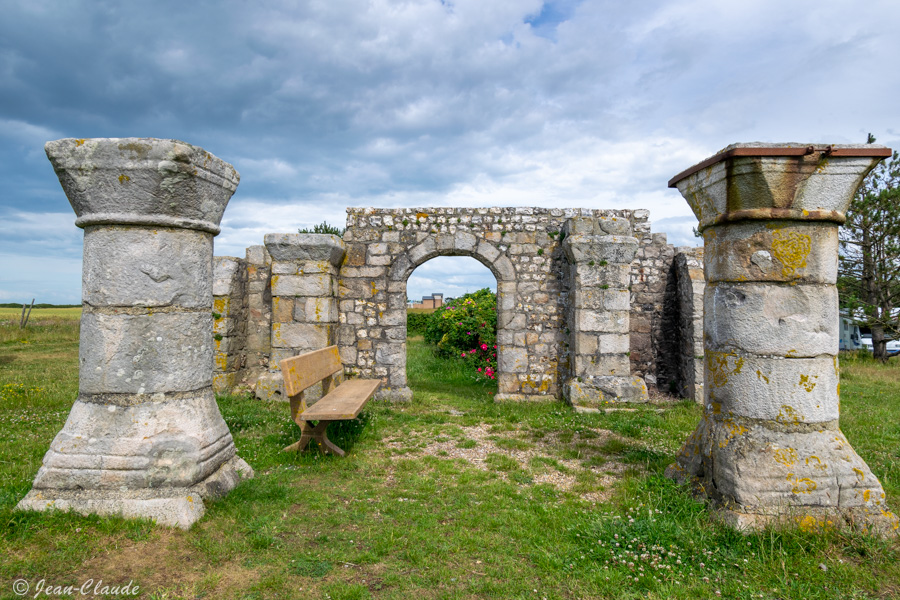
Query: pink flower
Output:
(463,355)
(484,346)
(479,369)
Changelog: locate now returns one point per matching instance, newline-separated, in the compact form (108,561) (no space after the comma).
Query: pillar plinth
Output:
(145,437)
(769,446)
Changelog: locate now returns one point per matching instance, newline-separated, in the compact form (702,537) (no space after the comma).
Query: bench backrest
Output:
(300,372)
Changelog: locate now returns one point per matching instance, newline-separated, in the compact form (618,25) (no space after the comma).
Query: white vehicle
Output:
(893,346)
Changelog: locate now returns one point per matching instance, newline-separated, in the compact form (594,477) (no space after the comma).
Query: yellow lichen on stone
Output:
(785,456)
(759,375)
(717,363)
(791,249)
(818,464)
(123,178)
(732,429)
(806,384)
(788,416)
(859,473)
(803,485)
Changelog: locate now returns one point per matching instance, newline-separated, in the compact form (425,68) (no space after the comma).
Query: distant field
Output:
(420,311)
(41,314)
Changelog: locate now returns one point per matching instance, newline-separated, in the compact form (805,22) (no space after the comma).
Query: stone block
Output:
(595,298)
(610,276)
(270,387)
(777,251)
(602,321)
(302,285)
(503,269)
(321,310)
(512,359)
(789,391)
(793,321)
(168,268)
(258,255)
(300,336)
(294,247)
(393,317)
(227,275)
(282,309)
(602,365)
(593,393)
(145,354)
(390,354)
(285,268)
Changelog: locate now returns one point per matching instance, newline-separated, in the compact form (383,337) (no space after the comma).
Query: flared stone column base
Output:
(756,475)
(593,393)
(172,507)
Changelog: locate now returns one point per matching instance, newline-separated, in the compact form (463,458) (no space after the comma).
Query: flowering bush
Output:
(466,328)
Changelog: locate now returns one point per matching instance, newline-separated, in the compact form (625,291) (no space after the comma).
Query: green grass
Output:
(407,513)
(40,316)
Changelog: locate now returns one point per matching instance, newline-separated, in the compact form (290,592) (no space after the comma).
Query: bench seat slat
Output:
(345,402)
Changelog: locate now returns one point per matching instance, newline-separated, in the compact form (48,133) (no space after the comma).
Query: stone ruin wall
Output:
(255,328)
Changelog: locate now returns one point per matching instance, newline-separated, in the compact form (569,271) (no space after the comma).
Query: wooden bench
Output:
(342,403)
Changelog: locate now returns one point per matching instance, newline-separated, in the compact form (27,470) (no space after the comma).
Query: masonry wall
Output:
(522,248)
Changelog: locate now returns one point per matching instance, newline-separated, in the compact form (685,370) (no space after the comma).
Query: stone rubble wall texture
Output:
(769,446)
(145,437)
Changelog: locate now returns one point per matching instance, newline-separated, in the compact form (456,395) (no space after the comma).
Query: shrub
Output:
(416,322)
(466,329)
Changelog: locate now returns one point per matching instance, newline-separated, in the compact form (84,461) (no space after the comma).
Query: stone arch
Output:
(486,253)
(551,339)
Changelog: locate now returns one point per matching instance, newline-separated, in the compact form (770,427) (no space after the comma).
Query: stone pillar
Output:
(229,321)
(691,284)
(259,313)
(304,300)
(145,437)
(768,446)
(599,252)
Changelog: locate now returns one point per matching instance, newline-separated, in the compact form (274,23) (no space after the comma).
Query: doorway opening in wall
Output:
(452,328)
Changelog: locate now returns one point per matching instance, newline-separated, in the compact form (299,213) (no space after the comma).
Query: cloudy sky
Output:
(326,104)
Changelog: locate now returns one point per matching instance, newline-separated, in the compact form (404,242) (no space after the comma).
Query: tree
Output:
(323,227)
(869,267)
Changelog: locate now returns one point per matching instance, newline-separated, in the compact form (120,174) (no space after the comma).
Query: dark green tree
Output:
(869,267)
(323,227)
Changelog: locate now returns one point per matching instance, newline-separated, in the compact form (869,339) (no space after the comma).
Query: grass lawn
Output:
(449,496)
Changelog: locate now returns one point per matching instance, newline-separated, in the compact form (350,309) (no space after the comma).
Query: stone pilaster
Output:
(691,284)
(304,299)
(599,252)
(145,437)
(229,321)
(768,445)
(258,263)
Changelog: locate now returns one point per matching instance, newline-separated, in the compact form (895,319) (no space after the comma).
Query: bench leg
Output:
(318,434)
